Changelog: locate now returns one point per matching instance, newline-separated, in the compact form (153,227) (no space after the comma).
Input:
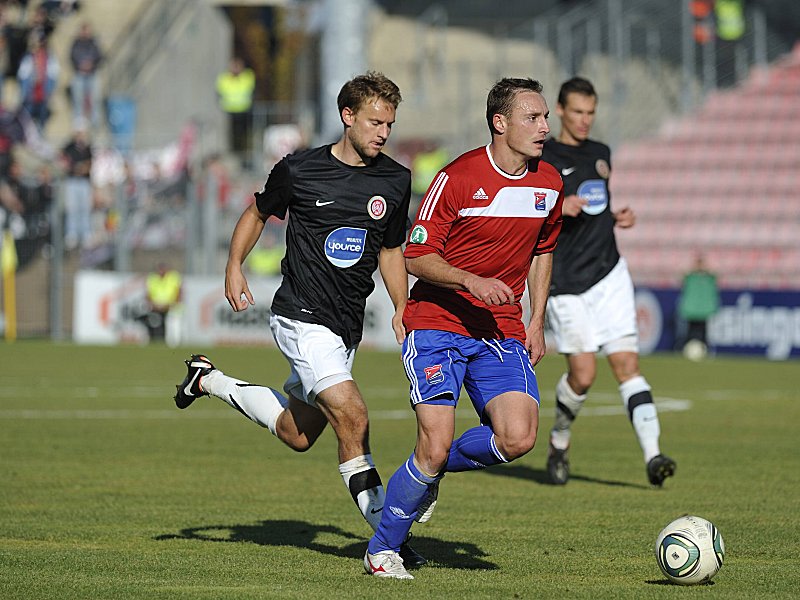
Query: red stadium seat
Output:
(702,185)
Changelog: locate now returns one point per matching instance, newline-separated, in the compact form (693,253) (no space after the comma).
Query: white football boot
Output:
(386,564)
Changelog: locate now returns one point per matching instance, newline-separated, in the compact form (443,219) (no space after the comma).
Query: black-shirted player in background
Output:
(348,209)
(591,306)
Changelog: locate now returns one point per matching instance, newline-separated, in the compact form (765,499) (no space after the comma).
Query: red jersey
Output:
(489,223)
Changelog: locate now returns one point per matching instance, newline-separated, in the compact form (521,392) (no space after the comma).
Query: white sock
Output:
(643,415)
(362,479)
(260,404)
(568,405)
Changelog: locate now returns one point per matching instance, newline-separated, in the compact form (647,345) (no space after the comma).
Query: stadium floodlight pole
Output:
(210,218)
(57,263)
(466,89)
(653,41)
(433,19)
(688,57)
(740,62)
(619,60)
(564,38)
(541,36)
(710,60)
(564,45)
(191,239)
(343,54)
(593,35)
(122,251)
(759,36)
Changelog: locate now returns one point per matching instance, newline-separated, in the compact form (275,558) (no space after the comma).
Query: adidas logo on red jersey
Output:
(480,195)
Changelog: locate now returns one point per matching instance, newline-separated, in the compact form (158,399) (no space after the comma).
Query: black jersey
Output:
(587,248)
(339,219)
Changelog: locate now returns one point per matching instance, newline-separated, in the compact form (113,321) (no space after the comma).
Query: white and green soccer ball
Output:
(690,550)
(695,350)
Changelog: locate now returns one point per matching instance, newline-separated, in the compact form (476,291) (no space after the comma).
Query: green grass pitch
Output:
(108,491)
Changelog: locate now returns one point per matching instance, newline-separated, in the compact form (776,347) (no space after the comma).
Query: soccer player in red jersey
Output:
(488,225)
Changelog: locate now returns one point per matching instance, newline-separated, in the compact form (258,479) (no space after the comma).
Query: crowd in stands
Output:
(30,69)
(34,154)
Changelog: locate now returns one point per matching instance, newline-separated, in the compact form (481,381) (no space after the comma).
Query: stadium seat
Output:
(700,185)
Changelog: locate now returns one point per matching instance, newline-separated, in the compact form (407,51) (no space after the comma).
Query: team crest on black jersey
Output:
(602,168)
(376,207)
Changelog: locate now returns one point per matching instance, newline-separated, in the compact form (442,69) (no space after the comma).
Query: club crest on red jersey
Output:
(434,374)
(540,200)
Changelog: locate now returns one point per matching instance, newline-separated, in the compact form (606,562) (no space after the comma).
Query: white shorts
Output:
(601,318)
(317,356)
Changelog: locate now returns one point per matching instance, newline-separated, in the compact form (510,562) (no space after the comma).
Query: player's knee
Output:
(580,381)
(517,445)
(433,460)
(626,374)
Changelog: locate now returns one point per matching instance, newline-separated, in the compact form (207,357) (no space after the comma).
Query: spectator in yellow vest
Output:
(164,291)
(235,89)
(731,23)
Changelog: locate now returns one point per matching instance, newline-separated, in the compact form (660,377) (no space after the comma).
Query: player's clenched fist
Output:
(490,291)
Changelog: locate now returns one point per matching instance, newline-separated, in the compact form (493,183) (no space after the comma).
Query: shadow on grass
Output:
(541,476)
(300,534)
(673,584)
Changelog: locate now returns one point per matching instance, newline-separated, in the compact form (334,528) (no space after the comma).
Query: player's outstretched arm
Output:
(395,277)
(245,235)
(434,269)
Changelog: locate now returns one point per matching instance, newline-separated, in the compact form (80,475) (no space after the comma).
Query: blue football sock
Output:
(404,493)
(475,449)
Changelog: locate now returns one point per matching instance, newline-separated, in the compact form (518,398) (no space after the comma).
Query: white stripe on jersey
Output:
(433,196)
(515,202)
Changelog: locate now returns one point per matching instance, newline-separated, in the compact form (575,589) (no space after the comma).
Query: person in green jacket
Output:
(698,302)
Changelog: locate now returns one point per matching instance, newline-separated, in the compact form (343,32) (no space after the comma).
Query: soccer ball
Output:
(695,350)
(690,550)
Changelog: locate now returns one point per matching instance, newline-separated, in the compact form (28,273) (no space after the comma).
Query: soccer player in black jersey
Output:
(347,207)
(591,305)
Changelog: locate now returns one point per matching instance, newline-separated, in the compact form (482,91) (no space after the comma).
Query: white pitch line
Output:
(110,413)
(21,414)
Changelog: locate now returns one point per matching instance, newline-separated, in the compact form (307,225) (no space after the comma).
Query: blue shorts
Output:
(437,363)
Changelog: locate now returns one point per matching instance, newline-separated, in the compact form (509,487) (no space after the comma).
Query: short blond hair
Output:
(372,84)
